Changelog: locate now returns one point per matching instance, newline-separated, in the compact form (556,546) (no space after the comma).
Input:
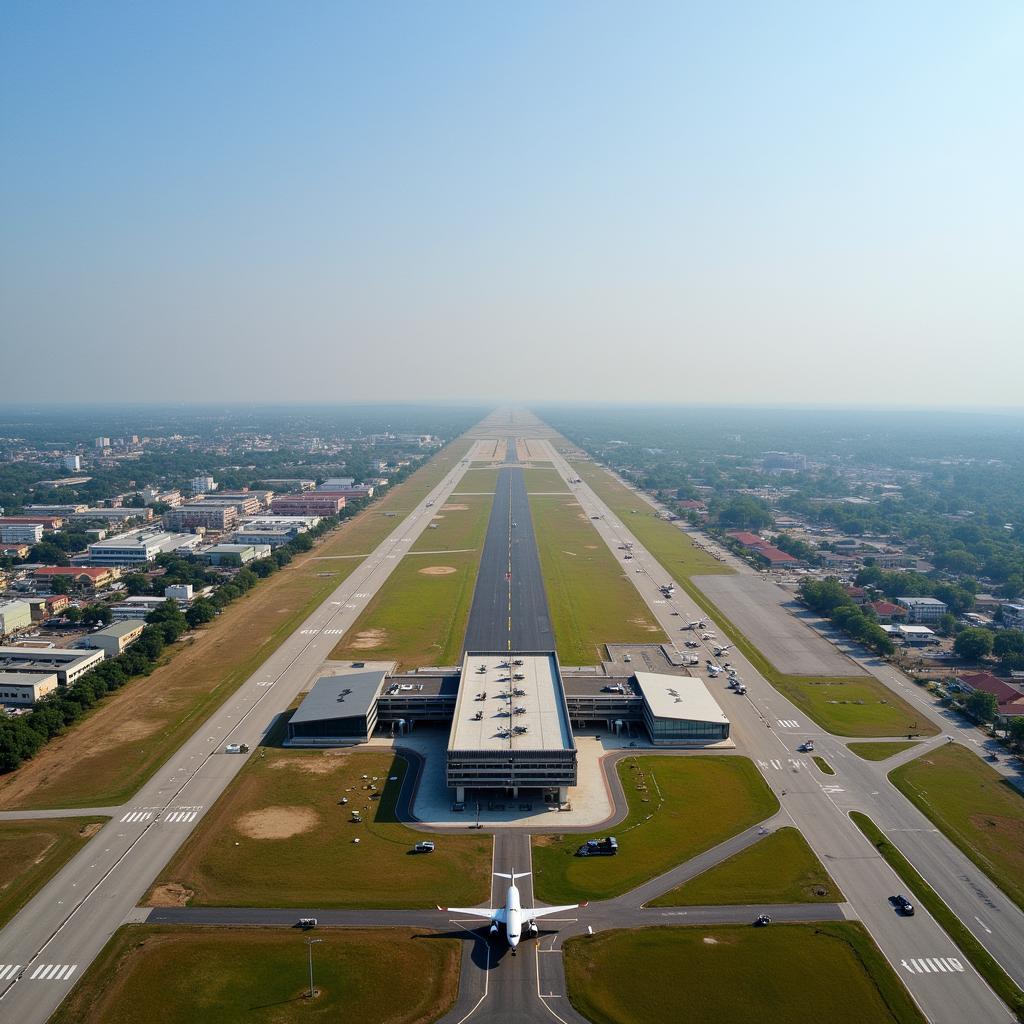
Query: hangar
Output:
(337,711)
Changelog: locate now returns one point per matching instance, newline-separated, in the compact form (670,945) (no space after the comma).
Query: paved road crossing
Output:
(933,965)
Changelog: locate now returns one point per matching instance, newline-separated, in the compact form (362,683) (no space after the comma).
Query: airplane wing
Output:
(546,911)
(488,913)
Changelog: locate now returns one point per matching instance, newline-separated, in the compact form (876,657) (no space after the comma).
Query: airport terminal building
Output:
(511,716)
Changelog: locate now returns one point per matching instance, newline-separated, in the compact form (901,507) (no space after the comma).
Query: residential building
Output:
(116,638)
(153,495)
(922,610)
(22,689)
(783,461)
(83,576)
(309,504)
(1009,699)
(111,515)
(915,636)
(14,550)
(72,462)
(234,554)
(140,547)
(102,442)
(21,533)
(69,665)
(48,523)
(243,504)
(203,485)
(289,484)
(180,592)
(14,616)
(201,514)
(138,607)
(887,612)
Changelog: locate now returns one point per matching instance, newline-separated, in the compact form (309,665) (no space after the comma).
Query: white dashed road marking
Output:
(137,816)
(777,765)
(53,972)
(932,965)
(9,971)
(788,723)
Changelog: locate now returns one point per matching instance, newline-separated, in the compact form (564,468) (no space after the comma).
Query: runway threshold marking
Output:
(932,965)
(53,972)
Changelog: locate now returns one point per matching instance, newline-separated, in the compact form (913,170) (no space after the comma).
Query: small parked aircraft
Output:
(513,915)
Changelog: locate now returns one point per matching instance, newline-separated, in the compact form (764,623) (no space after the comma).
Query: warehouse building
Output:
(116,638)
(234,554)
(14,615)
(20,689)
(67,665)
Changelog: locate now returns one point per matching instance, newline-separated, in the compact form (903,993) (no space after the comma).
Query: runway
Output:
(510,608)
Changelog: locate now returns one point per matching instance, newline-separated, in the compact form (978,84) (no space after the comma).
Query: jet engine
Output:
(533,928)
(494,927)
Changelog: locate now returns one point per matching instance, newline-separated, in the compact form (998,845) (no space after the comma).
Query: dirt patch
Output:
(171,894)
(135,729)
(710,940)
(277,822)
(590,547)
(88,831)
(644,624)
(368,640)
(454,508)
(437,570)
(327,762)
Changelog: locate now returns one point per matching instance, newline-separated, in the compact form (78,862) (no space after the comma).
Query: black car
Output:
(599,848)
(902,905)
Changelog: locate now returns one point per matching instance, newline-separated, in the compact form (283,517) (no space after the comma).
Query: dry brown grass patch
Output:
(277,822)
(434,570)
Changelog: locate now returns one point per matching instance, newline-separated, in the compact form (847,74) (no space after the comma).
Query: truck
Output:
(606,847)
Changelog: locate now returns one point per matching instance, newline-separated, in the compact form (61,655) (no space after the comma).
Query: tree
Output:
(60,585)
(982,706)
(1008,642)
(73,614)
(201,611)
(973,644)
(48,553)
(136,584)
(744,513)
(947,624)
(1015,731)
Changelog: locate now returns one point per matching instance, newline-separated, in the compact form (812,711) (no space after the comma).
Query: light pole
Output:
(309,946)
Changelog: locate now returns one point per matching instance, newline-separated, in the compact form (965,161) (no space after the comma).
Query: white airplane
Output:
(719,651)
(513,915)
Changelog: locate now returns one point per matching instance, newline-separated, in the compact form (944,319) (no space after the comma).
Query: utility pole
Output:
(310,942)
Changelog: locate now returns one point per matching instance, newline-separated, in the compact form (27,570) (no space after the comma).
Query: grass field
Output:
(479,478)
(419,616)
(280,837)
(460,524)
(172,975)
(104,758)
(678,807)
(786,973)
(823,765)
(974,806)
(843,705)
(781,868)
(543,480)
(1002,984)
(32,852)
(591,600)
(880,751)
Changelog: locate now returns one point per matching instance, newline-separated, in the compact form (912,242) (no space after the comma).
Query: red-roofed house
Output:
(93,578)
(748,540)
(887,611)
(1011,700)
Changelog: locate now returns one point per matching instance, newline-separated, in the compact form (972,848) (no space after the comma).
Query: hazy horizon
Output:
(795,206)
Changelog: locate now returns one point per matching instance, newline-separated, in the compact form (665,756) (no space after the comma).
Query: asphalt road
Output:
(769,729)
(52,940)
(510,607)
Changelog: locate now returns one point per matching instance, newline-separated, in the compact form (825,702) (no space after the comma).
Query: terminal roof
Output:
(679,697)
(541,724)
(340,697)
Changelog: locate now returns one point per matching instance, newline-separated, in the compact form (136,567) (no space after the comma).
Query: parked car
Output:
(606,847)
(426,846)
(307,922)
(761,920)
(237,748)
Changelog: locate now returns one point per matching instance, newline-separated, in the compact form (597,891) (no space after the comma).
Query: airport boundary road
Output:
(809,799)
(63,928)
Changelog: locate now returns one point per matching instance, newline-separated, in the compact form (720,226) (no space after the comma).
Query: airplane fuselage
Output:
(513,916)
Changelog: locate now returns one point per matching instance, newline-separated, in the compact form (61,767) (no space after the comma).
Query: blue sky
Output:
(817,202)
